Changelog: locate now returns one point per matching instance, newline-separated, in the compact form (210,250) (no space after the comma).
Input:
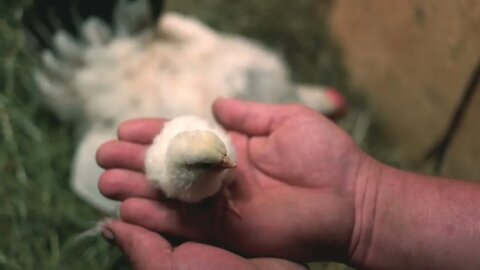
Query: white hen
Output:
(134,70)
(190,159)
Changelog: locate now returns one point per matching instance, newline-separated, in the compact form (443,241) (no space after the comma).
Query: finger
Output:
(163,218)
(200,256)
(120,184)
(249,182)
(253,118)
(141,131)
(120,154)
(145,249)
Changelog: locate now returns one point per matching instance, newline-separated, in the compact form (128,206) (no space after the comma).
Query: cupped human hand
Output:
(148,250)
(295,186)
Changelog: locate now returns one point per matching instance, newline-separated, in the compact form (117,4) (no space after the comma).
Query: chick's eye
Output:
(202,165)
(206,165)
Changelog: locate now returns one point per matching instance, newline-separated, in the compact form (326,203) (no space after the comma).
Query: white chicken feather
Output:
(136,70)
(190,159)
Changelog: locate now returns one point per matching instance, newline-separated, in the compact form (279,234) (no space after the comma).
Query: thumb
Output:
(145,249)
(253,118)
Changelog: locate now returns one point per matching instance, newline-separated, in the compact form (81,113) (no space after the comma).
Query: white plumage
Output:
(133,70)
(190,159)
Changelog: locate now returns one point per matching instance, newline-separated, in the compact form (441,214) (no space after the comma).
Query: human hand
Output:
(148,250)
(296,179)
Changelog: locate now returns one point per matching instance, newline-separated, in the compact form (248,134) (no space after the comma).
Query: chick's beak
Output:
(227,163)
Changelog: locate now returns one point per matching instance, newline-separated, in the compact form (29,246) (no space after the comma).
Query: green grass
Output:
(39,215)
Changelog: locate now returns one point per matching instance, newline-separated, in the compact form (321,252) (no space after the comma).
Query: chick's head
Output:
(199,150)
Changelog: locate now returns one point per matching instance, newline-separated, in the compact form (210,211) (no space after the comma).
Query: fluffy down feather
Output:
(185,159)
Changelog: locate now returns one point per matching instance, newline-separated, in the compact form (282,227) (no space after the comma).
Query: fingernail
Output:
(108,234)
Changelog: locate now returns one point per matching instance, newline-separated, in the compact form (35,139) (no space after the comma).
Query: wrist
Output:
(365,194)
(405,220)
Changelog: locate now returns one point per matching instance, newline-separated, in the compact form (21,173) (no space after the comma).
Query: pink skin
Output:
(305,191)
(411,221)
(150,251)
(295,172)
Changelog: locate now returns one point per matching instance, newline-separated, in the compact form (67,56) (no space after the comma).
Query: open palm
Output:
(294,188)
(150,251)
